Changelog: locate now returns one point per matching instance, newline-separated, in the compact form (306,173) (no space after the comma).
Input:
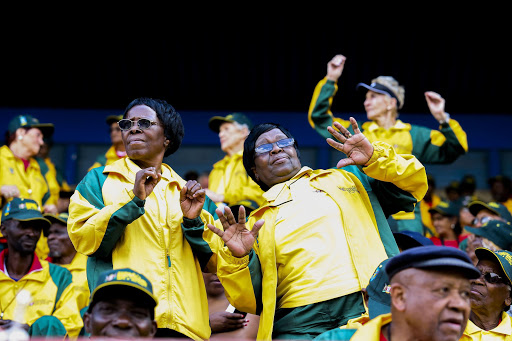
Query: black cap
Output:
(408,239)
(432,257)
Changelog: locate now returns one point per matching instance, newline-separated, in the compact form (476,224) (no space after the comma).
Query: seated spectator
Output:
(117,149)
(225,321)
(63,253)
(494,235)
(501,190)
(431,199)
(122,306)
(484,212)
(432,276)
(53,309)
(445,218)
(490,297)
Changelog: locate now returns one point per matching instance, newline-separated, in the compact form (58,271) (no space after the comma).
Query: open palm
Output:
(235,235)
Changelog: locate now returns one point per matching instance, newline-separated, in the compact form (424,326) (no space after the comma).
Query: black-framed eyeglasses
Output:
(493,278)
(483,220)
(143,123)
(267,147)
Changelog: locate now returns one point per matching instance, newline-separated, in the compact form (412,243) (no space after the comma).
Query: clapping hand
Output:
(357,147)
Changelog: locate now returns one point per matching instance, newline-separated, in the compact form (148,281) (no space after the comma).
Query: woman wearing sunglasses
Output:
(129,214)
(303,257)
(490,297)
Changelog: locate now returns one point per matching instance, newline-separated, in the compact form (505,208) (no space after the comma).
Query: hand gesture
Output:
(192,198)
(145,181)
(357,147)
(335,67)
(236,236)
(436,105)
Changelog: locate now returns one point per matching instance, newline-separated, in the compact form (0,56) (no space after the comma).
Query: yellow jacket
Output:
(52,294)
(237,185)
(371,330)
(397,182)
(77,267)
(116,229)
(503,331)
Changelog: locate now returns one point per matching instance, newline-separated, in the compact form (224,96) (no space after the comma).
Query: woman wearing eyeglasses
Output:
(128,215)
(302,258)
(490,297)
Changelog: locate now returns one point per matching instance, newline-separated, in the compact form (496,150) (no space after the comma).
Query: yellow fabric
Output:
(51,178)
(78,267)
(357,322)
(321,270)
(502,332)
(426,218)
(371,330)
(31,183)
(236,185)
(360,228)
(508,205)
(110,155)
(43,291)
(147,245)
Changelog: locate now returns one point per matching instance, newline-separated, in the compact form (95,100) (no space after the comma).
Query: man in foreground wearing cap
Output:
(490,297)
(117,150)
(228,182)
(52,310)
(122,306)
(63,253)
(383,100)
(429,288)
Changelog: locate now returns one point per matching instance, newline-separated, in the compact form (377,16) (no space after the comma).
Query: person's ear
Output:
(398,296)
(255,173)
(154,329)
(87,323)
(508,300)
(20,132)
(166,143)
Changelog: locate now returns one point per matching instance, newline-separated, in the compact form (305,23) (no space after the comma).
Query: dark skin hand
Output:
(192,198)
(224,321)
(145,181)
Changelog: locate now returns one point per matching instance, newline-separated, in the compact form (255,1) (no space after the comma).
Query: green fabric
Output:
(319,114)
(47,326)
(428,153)
(307,322)
(62,279)
(95,266)
(256,279)
(415,224)
(193,231)
(336,335)
(90,187)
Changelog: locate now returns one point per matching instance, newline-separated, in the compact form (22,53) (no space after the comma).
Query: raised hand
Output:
(192,198)
(236,236)
(335,67)
(145,181)
(357,147)
(436,105)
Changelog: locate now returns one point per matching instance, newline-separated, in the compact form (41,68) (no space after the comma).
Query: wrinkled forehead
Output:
(272,135)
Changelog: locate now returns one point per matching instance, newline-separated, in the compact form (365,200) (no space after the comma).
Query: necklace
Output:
(2,310)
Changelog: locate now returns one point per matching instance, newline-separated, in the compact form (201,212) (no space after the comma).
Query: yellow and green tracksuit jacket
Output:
(52,294)
(503,331)
(371,330)
(441,146)
(78,267)
(237,185)
(389,183)
(344,332)
(104,160)
(116,229)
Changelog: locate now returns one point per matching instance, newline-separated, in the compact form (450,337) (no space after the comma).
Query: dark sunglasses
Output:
(493,278)
(265,148)
(143,123)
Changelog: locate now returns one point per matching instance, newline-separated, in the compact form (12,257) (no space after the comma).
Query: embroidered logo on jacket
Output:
(350,190)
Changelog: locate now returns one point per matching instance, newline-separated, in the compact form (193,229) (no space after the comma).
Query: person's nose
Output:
(458,302)
(122,320)
(275,148)
(135,127)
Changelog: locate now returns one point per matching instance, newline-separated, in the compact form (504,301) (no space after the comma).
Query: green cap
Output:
(127,278)
(24,210)
(497,231)
(379,299)
(61,218)
(499,209)
(216,121)
(113,119)
(30,122)
(504,257)
(446,208)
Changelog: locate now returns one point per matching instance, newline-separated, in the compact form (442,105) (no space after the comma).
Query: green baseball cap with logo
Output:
(127,278)
(497,231)
(29,121)
(61,218)
(446,208)
(24,210)
(113,119)
(503,257)
(495,207)
(379,299)
(216,121)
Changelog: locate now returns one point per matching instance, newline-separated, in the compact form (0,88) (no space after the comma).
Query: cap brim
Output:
(371,89)
(376,308)
(477,206)
(449,262)
(487,252)
(43,221)
(216,121)
(152,297)
(47,129)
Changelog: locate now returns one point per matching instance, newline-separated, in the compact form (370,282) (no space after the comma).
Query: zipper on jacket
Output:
(168,258)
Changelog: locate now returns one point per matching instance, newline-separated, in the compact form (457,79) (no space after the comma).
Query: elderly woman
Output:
(490,297)
(384,98)
(302,258)
(129,214)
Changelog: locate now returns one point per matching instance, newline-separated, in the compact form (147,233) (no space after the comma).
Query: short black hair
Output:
(168,116)
(250,145)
